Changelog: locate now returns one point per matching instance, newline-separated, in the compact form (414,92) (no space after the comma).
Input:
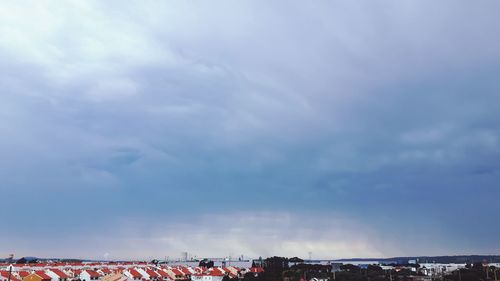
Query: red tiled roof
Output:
(216,273)
(43,275)
(162,273)
(218,269)
(93,273)
(256,269)
(135,273)
(177,272)
(60,273)
(5,274)
(24,273)
(185,270)
(151,273)
(211,273)
(106,270)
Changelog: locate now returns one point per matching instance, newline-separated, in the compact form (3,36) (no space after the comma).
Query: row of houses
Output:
(118,272)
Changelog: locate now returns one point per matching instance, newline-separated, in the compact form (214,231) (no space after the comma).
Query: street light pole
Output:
(10,272)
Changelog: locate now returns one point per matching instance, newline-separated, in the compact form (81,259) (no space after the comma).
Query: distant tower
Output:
(310,256)
(184,256)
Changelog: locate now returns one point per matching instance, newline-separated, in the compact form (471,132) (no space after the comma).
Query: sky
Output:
(144,129)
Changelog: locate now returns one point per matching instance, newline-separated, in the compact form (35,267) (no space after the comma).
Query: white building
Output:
(57,275)
(209,276)
(133,274)
(89,275)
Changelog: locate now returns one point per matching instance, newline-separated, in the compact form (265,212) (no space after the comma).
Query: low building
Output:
(213,275)
(89,275)
(115,277)
(153,276)
(57,275)
(176,273)
(133,274)
(6,275)
(164,275)
(37,276)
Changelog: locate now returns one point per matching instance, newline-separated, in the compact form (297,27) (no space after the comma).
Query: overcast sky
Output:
(140,129)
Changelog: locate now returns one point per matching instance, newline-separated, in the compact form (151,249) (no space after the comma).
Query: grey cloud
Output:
(315,106)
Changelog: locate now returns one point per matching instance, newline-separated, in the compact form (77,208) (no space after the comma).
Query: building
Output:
(133,274)
(176,273)
(37,276)
(57,274)
(153,276)
(115,277)
(165,276)
(4,276)
(213,275)
(89,275)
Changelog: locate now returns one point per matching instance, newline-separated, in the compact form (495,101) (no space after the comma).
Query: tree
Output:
(274,268)
(350,268)
(206,263)
(373,267)
(296,260)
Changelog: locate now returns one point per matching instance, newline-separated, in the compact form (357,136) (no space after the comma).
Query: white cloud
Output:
(253,234)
